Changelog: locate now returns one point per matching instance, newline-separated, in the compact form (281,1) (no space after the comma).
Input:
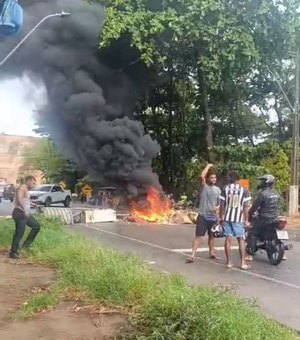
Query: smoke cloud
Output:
(88,107)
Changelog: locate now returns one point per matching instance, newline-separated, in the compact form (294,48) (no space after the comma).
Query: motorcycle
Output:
(272,241)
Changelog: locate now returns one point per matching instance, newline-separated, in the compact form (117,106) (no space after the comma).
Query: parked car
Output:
(48,194)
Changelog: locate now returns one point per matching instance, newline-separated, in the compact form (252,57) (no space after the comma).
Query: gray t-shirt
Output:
(209,199)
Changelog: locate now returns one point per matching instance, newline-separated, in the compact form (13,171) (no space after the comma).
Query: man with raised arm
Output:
(208,212)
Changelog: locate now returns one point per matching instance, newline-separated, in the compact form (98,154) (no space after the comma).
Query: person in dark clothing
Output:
(267,201)
(266,206)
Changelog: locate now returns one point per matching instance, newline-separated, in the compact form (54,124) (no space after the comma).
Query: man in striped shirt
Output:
(234,209)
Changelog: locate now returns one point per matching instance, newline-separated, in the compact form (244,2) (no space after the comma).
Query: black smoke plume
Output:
(88,108)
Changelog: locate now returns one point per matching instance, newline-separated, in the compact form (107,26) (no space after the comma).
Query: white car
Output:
(47,194)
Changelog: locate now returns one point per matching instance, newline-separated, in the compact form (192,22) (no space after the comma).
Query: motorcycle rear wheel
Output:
(275,253)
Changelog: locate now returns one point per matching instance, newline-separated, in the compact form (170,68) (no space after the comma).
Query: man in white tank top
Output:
(22,217)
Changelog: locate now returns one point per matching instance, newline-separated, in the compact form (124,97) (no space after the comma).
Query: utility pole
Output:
(294,188)
(62,14)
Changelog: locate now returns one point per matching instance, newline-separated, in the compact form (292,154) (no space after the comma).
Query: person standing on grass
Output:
(234,211)
(22,217)
(208,212)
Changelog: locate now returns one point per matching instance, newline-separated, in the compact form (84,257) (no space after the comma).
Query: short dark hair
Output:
(30,178)
(211,172)
(233,176)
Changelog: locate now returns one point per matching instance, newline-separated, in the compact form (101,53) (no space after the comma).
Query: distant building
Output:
(11,156)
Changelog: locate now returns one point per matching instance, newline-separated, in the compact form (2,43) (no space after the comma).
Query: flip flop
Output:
(245,267)
(229,266)
(214,257)
(190,260)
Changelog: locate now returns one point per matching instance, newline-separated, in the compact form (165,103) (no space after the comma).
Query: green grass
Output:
(38,303)
(159,306)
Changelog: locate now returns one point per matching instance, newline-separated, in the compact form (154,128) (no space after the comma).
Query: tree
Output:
(195,39)
(44,157)
(209,71)
(279,167)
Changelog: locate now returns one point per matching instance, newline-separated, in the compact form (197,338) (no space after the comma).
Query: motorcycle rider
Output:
(267,208)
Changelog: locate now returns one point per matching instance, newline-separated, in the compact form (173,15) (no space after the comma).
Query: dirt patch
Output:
(65,322)
(17,280)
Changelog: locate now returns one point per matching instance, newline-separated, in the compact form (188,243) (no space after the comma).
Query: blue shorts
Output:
(234,229)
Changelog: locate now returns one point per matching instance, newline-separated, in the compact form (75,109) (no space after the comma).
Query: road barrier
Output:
(65,214)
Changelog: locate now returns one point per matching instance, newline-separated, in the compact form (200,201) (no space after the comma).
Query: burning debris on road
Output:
(153,208)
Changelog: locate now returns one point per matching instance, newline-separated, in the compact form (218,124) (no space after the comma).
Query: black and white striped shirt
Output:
(234,197)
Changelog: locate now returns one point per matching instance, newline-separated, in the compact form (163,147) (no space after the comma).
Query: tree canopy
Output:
(44,157)
(217,76)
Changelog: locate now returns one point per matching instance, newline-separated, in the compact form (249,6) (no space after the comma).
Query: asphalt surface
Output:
(165,247)
(276,289)
(6,208)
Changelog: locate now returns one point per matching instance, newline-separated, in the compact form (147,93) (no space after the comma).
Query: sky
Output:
(19,97)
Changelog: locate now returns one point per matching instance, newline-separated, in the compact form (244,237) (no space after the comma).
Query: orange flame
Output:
(155,208)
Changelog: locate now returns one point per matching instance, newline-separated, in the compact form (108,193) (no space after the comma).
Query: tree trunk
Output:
(164,175)
(280,123)
(243,126)
(204,110)
(184,147)
(170,132)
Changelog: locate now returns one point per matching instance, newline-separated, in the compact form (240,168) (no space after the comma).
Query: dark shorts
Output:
(203,226)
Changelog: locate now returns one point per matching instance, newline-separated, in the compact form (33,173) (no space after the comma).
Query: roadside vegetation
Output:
(157,306)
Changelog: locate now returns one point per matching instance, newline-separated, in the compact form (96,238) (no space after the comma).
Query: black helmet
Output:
(266,181)
(217,231)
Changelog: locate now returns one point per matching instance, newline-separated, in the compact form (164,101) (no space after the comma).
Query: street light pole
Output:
(294,189)
(61,15)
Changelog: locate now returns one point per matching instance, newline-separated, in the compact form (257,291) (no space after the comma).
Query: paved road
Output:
(277,289)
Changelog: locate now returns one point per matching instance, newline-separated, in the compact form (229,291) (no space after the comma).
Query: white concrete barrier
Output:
(79,215)
(99,215)
(64,213)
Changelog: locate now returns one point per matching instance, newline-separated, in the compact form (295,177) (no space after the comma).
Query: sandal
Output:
(245,267)
(214,257)
(229,265)
(190,260)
